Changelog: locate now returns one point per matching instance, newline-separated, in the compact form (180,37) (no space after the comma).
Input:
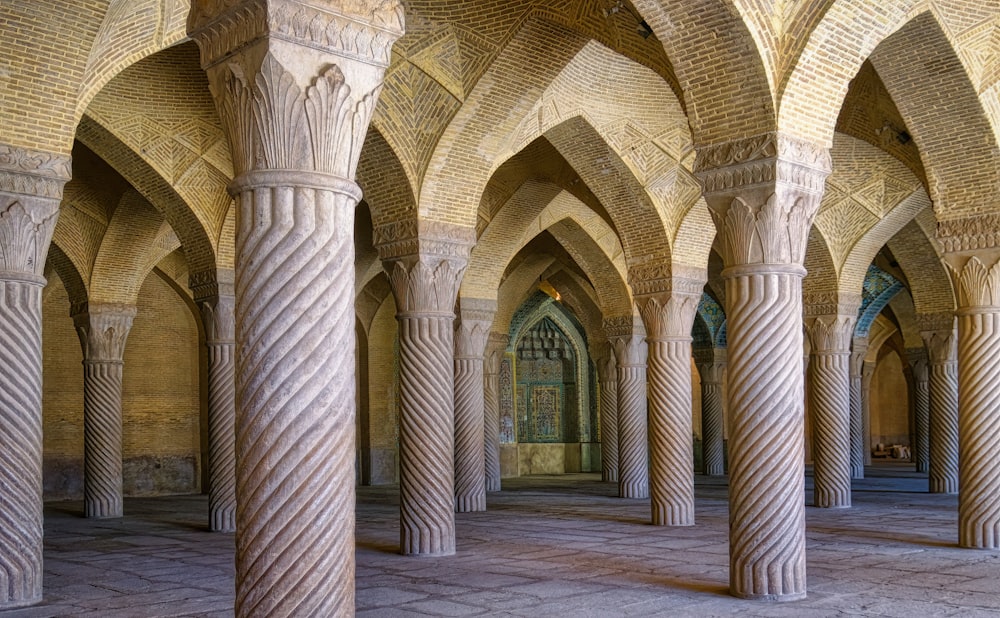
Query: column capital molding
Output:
(668,315)
(360,29)
(496,346)
(830,334)
(219,318)
(976,281)
(103,329)
(425,284)
(33,173)
(208,284)
(475,318)
(944,320)
(763,192)
(969,234)
(410,237)
(815,304)
(942,345)
(630,350)
(918,363)
(659,277)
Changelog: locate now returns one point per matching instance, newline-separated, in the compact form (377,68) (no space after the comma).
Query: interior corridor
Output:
(548,546)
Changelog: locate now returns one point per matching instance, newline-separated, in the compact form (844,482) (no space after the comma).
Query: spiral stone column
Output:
(859,348)
(712,370)
(495,347)
(830,400)
(103,330)
(628,341)
(296,104)
(668,307)
(607,373)
(31,186)
(921,409)
(764,192)
(470,457)
(942,355)
(213,292)
(425,272)
(973,259)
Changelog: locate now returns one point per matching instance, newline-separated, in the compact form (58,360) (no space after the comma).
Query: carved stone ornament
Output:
(219,317)
(935,321)
(428,284)
(33,172)
(411,237)
(26,227)
(209,283)
(272,123)
(761,159)
(830,303)
(977,284)
(361,29)
(969,234)
(942,346)
(619,326)
(659,277)
(775,232)
(669,316)
(470,338)
(831,334)
(103,331)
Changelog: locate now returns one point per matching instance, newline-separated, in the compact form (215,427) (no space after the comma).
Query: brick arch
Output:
(520,283)
(577,295)
(137,238)
(719,67)
(849,31)
(198,247)
(529,211)
(388,190)
(612,291)
(918,65)
(915,251)
(869,197)
(130,31)
(69,273)
(584,79)
(369,298)
(821,271)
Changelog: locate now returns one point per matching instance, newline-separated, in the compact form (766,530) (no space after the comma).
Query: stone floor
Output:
(549,546)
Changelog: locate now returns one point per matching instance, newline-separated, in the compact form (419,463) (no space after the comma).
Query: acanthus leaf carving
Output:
(103,331)
(26,228)
(942,346)
(976,284)
(831,334)
(427,285)
(219,317)
(668,316)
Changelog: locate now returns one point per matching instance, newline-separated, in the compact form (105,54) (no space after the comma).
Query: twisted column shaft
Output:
(766,475)
(608,375)
(103,331)
(671,480)
(975,272)
(295,104)
(712,443)
(943,388)
(31,185)
(213,293)
(668,307)
(859,348)
(470,445)
(633,450)
(921,411)
(425,287)
(491,410)
(830,404)
(20,441)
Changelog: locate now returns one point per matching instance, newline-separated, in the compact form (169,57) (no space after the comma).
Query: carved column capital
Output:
(496,345)
(210,283)
(918,363)
(942,346)
(831,334)
(763,192)
(103,330)
(668,306)
(363,29)
(628,342)
(475,317)
(427,284)
(214,294)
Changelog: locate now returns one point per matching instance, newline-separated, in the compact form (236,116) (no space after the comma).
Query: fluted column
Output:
(942,355)
(425,285)
(495,347)
(973,260)
(103,330)
(31,185)
(764,192)
(470,446)
(921,409)
(712,370)
(830,403)
(295,103)
(213,292)
(859,348)
(607,373)
(630,351)
(668,307)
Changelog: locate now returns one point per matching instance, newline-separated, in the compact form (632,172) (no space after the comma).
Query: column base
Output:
(19,603)
(774,598)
